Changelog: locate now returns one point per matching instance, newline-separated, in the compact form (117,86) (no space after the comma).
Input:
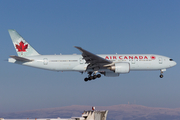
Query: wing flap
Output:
(20,58)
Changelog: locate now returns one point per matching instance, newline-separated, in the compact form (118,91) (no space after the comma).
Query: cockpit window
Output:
(171,59)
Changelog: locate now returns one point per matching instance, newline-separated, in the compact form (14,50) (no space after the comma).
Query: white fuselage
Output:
(76,63)
(109,65)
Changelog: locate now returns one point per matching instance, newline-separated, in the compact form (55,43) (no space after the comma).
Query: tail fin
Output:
(23,48)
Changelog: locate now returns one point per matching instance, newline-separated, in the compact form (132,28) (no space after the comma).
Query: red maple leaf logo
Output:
(153,57)
(21,47)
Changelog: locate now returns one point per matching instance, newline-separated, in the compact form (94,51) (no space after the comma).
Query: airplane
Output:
(110,65)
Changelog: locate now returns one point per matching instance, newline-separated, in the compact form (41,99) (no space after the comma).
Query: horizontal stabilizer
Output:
(20,58)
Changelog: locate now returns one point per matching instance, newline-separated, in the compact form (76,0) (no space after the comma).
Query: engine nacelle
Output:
(120,68)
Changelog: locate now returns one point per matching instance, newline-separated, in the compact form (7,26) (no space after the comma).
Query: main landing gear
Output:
(90,77)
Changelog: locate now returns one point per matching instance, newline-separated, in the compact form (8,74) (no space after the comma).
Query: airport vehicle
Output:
(110,65)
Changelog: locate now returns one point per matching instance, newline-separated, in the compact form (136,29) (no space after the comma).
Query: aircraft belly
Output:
(63,66)
(80,67)
(147,66)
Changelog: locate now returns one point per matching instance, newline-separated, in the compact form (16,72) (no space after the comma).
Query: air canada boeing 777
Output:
(110,65)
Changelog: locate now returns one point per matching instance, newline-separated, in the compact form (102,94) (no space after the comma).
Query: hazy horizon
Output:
(116,112)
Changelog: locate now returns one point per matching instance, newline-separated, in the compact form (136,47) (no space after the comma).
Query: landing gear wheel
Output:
(86,79)
(91,77)
(95,76)
(161,76)
(99,75)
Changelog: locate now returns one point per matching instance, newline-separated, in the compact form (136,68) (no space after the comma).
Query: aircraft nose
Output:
(175,63)
(172,62)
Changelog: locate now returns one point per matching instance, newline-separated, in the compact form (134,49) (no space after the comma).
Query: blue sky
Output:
(102,27)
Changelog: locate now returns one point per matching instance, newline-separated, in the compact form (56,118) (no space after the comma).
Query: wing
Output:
(93,60)
(20,58)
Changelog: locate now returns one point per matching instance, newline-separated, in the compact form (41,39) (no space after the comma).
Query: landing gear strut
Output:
(161,75)
(90,77)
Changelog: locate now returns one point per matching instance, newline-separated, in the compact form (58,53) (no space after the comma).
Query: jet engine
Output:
(120,68)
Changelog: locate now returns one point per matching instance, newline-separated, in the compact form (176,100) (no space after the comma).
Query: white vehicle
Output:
(110,65)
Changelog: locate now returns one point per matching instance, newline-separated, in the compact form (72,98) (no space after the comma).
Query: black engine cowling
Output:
(120,68)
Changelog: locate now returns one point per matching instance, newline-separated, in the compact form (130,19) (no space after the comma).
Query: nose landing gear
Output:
(161,75)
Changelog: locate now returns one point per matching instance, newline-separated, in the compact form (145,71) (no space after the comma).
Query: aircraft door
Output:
(45,61)
(160,60)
